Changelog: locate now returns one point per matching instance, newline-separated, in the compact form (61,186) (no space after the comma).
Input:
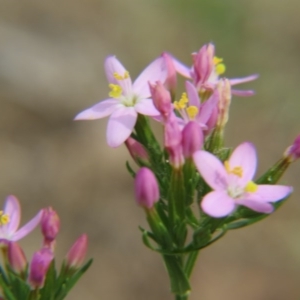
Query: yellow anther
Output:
(220,69)
(181,104)
(192,111)
(4,218)
(251,187)
(120,77)
(217,60)
(238,171)
(116,91)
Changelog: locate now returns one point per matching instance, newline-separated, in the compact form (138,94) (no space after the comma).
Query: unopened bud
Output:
(39,266)
(50,225)
(224,89)
(171,80)
(77,253)
(16,258)
(192,139)
(146,188)
(137,151)
(293,152)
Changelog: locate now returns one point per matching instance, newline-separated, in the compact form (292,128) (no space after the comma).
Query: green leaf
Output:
(6,289)
(48,291)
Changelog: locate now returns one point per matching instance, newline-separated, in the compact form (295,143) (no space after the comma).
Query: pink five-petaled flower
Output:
(232,183)
(10,220)
(206,71)
(126,99)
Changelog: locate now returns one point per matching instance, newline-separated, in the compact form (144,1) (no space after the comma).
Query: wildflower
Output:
(206,71)
(146,188)
(50,225)
(126,99)
(232,183)
(16,258)
(10,220)
(77,252)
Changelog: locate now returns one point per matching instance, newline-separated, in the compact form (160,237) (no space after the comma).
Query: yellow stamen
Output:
(251,187)
(192,111)
(116,91)
(181,104)
(4,218)
(217,60)
(220,69)
(120,77)
(238,171)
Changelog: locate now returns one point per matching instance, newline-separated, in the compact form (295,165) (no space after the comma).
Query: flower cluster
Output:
(36,279)
(192,164)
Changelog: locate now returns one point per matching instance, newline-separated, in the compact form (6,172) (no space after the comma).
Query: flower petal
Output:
(120,126)
(218,204)
(270,193)
(146,107)
(242,93)
(192,94)
(99,110)
(211,169)
(235,81)
(181,68)
(207,108)
(28,227)
(156,71)
(244,156)
(13,210)
(261,207)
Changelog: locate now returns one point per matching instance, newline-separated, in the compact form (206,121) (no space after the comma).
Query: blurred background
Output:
(51,67)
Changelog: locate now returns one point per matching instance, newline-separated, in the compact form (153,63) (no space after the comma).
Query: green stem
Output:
(177,297)
(190,263)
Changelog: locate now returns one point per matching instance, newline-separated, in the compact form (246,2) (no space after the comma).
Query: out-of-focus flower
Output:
(206,71)
(16,258)
(39,266)
(50,225)
(10,220)
(146,188)
(293,152)
(77,252)
(232,183)
(126,100)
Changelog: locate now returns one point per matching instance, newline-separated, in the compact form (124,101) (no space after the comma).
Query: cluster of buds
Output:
(37,278)
(192,164)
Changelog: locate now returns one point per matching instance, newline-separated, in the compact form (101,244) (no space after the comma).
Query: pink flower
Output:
(126,99)
(50,225)
(77,252)
(232,183)
(206,71)
(16,258)
(10,220)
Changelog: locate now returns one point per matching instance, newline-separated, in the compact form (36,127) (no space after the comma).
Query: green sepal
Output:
(6,289)
(129,169)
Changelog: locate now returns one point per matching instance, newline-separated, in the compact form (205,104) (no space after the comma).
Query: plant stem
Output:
(190,263)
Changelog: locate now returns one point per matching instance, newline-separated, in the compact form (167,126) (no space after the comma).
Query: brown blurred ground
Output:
(51,67)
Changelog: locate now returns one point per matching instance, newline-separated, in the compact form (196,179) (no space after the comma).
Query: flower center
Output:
(116,91)
(189,112)
(220,68)
(4,218)
(238,171)
(251,187)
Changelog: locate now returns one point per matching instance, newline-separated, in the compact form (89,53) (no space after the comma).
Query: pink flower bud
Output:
(192,139)
(224,89)
(171,80)
(39,266)
(146,188)
(16,258)
(77,252)
(50,225)
(137,150)
(293,152)
(161,98)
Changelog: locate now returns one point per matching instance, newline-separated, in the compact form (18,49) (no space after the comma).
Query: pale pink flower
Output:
(10,220)
(206,70)
(232,183)
(126,99)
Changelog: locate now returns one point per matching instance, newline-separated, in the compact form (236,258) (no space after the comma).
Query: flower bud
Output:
(16,258)
(224,89)
(192,139)
(137,151)
(161,98)
(146,188)
(293,152)
(50,225)
(77,252)
(171,80)
(39,266)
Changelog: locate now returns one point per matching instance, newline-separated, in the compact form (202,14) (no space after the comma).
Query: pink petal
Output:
(120,126)
(146,107)
(112,65)
(261,207)
(218,204)
(235,81)
(192,94)
(211,169)
(244,156)
(207,108)
(181,68)
(242,93)
(27,228)
(156,71)
(99,110)
(270,193)
(13,210)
